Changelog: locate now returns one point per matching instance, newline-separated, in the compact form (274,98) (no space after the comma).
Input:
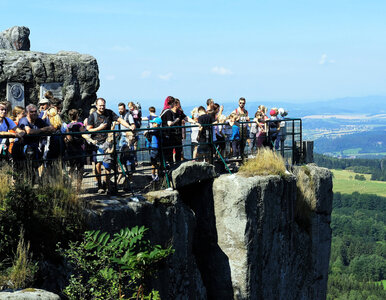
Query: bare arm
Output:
(91,128)
(124,123)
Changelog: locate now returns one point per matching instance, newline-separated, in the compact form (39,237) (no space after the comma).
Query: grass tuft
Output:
(5,182)
(266,162)
(22,272)
(306,199)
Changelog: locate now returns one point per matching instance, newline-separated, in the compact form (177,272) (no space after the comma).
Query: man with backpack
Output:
(102,119)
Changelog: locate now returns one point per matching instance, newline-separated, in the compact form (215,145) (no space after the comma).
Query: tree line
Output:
(375,167)
(358,250)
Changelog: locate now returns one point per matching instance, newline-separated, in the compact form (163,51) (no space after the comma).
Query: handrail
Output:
(290,147)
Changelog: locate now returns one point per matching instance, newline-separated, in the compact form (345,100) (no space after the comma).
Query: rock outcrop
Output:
(169,221)
(15,38)
(78,73)
(271,256)
(234,237)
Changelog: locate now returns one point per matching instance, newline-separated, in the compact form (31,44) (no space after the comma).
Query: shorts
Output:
(98,154)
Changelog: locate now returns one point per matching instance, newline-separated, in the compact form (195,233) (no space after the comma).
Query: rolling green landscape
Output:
(358,251)
(345,183)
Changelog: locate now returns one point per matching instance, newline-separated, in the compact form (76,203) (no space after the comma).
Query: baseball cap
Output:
(157,120)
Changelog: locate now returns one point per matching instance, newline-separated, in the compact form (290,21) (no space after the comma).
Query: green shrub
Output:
(48,214)
(360,177)
(114,267)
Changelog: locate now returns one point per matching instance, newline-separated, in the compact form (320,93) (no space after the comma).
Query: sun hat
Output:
(282,112)
(44,101)
(157,120)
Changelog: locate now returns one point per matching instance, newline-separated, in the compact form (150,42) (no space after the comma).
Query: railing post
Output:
(115,162)
(293,142)
(211,159)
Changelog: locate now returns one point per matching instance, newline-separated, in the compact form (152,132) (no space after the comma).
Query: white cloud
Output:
(166,76)
(145,74)
(221,71)
(110,77)
(121,48)
(324,60)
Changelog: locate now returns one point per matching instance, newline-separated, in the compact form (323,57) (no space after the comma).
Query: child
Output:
(152,141)
(194,134)
(220,134)
(235,137)
(152,115)
(262,129)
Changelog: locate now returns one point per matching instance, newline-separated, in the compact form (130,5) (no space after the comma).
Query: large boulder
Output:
(78,73)
(15,38)
(169,221)
(270,255)
(192,172)
(29,294)
(75,75)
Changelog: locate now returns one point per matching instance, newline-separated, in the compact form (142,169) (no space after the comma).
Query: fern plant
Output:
(113,267)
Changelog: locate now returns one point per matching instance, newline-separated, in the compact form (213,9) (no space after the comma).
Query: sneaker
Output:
(101,191)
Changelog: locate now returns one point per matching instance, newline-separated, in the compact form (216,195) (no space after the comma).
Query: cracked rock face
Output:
(270,255)
(78,72)
(15,38)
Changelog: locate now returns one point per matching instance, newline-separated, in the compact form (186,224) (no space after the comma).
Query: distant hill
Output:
(362,144)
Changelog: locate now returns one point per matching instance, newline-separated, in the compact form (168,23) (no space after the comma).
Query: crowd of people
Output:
(74,141)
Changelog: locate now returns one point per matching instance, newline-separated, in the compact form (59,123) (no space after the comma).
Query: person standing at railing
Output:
(235,137)
(205,132)
(30,148)
(173,137)
(152,115)
(7,128)
(262,126)
(44,104)
(18,113)
(241,115)
(102,119)
(153,142)
(274,127)
(54,147)
(282,129)
(76,146)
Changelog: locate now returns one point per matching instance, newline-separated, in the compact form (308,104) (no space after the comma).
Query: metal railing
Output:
(131,160)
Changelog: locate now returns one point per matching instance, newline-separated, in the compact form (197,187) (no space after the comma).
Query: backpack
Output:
(137,117)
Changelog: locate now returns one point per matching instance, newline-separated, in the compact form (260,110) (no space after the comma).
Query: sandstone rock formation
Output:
(78,73)
(15,38)
(271,256)
(169,221)
(234,237)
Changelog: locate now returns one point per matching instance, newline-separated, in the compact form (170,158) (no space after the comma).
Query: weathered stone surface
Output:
(15,38)
(169,221)
(78,73)
(192,172)
(29,294)
(270,255)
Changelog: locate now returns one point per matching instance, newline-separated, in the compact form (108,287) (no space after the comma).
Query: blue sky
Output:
(261,50)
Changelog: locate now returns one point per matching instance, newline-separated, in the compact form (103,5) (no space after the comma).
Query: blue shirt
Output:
(235,133)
